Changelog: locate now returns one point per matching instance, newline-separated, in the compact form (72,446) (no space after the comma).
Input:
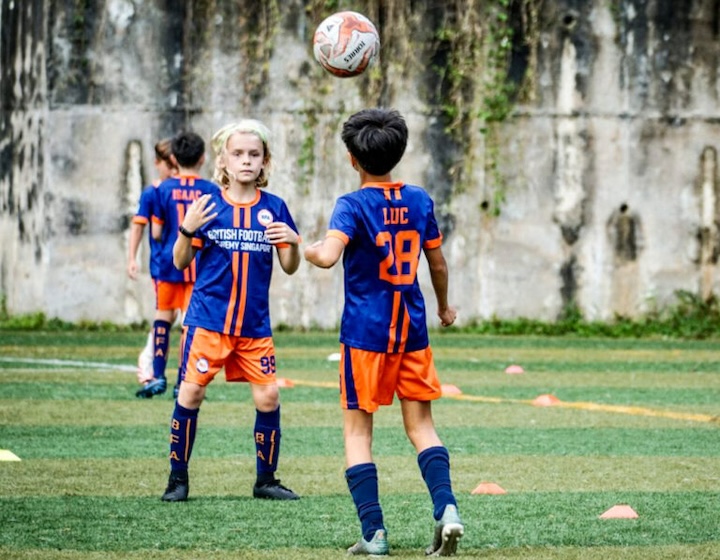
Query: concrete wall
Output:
(598,190)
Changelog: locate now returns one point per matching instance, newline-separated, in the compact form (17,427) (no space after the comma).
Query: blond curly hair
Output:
(218,144)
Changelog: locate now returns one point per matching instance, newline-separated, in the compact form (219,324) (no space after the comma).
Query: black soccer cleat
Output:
(155,387)
(177,488)
(274,491)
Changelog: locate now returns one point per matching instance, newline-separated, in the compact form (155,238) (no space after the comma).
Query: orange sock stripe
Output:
(271,455)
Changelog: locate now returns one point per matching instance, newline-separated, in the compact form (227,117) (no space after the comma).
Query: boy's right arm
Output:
(183,252)
(136,231)
(198,214)
(325,253)
(439,278)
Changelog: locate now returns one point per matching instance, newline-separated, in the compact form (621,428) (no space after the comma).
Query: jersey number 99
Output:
(267,365)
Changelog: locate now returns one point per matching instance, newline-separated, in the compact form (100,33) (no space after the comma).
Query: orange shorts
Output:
(369,380)
(244,359)
(172,295)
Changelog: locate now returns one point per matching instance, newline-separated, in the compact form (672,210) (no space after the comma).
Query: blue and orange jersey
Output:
(235,262)
(172,198)
(143,217)
(385,227)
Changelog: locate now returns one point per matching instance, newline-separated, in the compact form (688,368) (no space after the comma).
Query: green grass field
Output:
(636,425)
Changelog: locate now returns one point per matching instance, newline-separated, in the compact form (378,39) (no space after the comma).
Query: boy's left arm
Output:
(439,278)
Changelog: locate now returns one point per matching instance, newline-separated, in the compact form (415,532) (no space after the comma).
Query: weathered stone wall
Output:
(590,181)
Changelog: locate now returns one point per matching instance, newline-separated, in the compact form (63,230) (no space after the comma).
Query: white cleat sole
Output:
(451,534)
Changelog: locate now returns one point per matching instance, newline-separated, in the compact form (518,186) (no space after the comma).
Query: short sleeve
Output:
(343,218)
(432,237)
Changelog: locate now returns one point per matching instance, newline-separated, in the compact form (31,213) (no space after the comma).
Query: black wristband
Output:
(186,233)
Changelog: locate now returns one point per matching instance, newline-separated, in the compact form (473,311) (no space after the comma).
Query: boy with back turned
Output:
(173,287)
(380,231)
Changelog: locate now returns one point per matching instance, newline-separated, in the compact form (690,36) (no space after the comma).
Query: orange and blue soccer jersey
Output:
(385,227)
(172,199)
(235,260)
(143,217)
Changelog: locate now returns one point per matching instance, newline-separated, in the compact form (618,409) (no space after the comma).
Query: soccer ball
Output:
(346,43)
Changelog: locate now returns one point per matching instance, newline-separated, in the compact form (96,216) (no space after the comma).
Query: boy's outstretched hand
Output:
(199,213)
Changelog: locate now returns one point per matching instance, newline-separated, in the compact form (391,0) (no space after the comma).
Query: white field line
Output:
(70,363)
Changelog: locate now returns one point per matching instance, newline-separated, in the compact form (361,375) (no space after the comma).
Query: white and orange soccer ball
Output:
(346,43)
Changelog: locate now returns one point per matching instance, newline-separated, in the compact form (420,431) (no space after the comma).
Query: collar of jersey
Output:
(233,203)
(384,185)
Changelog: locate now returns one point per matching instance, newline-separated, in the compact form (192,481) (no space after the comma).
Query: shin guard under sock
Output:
(182,436)
(267,443)
(161,337)
(362,480)
(434,464)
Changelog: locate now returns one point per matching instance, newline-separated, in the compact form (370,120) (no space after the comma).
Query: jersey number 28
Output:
(400,265)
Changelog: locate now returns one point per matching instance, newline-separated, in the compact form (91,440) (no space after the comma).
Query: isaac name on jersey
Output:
(172,199)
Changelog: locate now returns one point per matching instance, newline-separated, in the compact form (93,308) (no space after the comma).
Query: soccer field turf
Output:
(636,424)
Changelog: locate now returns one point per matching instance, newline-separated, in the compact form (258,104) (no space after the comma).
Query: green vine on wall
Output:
(454,55)
(473,48)
(79,38)
(499,93)
(497,101)
(257,44)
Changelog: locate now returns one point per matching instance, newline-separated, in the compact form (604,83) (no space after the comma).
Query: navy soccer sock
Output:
(182,436)
(267,444)
(434,463)
(362,480)
(161,338)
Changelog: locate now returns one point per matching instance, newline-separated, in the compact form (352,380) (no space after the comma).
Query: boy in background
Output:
(165,169)
(380,231)
(174,286)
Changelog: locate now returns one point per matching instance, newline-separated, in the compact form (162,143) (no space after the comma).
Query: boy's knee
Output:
(267,398)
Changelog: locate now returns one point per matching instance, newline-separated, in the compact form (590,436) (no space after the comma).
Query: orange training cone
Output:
(284,382)
(489,488)
(450,390)
(546,400)
(620,512)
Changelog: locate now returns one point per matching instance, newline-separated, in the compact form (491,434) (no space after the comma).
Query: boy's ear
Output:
(174,161)
(353,161)
(202,160)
